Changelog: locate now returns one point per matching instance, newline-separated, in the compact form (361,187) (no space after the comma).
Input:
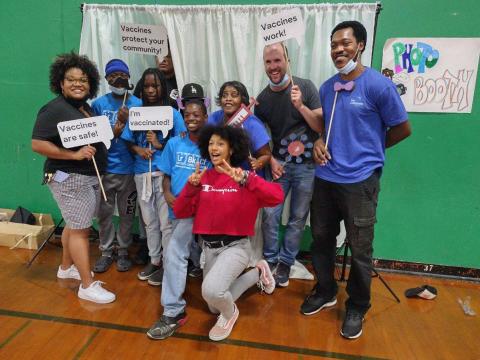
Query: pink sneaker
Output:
(266,282)
(223,327)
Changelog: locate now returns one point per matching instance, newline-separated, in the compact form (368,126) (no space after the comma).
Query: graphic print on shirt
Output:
(188,160)
(210,188)
(296,147)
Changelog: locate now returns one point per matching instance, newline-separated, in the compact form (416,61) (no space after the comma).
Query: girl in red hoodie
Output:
(225,201)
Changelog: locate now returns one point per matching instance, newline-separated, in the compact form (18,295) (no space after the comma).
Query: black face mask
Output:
(77,104)
(122,84)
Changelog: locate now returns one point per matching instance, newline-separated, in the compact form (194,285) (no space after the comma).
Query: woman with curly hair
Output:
(225,201)
(70,173)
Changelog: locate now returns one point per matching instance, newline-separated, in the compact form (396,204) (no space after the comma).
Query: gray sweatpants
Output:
(122,188)
(222,285)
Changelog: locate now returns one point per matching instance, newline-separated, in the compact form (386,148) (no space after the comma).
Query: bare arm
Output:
(312,117)
(169,197)
(262,158)
(52,151)
(397,133)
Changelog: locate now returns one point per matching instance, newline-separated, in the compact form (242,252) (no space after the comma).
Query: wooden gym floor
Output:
(42,318)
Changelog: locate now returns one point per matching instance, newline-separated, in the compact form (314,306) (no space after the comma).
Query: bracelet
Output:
(243,182)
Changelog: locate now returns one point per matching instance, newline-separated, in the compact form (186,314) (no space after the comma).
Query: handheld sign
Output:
(282,26)
(158,118)
(145,39)
(239,117)
(85,131)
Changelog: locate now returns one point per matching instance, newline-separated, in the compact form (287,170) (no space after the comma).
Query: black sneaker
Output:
(166,326)
(352,325)
(141,257)
(194,271)
(282,274)
(123,263)
(315,302)
(156,278)
(148,271)
(103,264)
(272,266)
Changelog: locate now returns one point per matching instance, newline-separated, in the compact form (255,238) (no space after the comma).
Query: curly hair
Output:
(237,85)
(236,138)
(67,61)
(159,80)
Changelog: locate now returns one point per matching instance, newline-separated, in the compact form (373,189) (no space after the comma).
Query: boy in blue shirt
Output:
(118,180)
(148,146)
(178,162)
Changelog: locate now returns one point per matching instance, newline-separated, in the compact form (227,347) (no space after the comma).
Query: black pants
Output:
(356,204)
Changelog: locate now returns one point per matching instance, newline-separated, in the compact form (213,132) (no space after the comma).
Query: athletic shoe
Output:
(156,278)
(352,324)
(166,326)
(223,327)
(194,271)
(70,273)
(103,264)
(148,271)
(282,274)
(141,257)
(123,263)
(315,302)
(266,282)
(96,293)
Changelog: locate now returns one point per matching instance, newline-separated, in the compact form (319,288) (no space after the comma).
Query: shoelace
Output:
(354,315)
(261,286)
(222,321)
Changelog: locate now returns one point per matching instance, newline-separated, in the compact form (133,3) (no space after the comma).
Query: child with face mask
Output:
(118,180)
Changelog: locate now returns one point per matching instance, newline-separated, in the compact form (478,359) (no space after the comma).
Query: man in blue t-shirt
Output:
(369,117)
(118,180)
(178,161)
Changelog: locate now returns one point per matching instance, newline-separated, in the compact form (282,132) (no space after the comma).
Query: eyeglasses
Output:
(81,81)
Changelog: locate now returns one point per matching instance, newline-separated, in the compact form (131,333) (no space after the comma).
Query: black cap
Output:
(192,91)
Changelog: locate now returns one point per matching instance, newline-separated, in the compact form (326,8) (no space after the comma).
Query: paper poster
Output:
(85,131)
(282,26)
(156,118)
(144,39)
(433,74)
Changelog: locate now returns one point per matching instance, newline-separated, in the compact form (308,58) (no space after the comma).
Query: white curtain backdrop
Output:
(217,43)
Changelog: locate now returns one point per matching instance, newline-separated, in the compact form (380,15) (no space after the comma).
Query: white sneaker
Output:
(70,273)
(96,293)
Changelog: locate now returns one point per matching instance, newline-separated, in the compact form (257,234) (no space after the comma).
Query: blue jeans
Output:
(298,178)
(175,263)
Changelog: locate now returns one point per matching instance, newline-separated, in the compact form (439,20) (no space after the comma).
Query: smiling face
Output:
(152,90)
(219,150)
(75,84)
(275,62)
(231,101)
(195,117)
(344,47)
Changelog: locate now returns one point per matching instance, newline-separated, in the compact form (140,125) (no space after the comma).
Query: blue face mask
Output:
(350,66)
(281,84)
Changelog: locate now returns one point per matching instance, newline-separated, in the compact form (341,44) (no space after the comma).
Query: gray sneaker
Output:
(156,278)
(123,263)
(103,264)
(148,271)
(166,326)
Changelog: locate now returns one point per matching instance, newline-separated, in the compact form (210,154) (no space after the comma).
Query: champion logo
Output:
(210,188)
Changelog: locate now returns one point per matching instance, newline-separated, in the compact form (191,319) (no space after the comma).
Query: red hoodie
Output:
(223,207)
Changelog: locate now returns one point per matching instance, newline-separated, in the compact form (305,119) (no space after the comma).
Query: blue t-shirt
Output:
(120,160)
(253,127)
(178,160)
(139,138)
(362,117)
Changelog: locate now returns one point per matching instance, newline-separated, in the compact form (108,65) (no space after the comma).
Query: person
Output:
(231,96)
(148,145)
(178,162)
(70,173)
(118,180)
(291,109)
(237,195)
(369,117)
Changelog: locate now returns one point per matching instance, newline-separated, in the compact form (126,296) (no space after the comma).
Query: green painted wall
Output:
(429,207)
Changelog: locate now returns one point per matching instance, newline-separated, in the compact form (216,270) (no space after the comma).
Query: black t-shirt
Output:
(45,128)
(287,125)
(172,91)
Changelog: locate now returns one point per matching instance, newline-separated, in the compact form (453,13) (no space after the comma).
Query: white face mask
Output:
(350,66)
(117,91)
